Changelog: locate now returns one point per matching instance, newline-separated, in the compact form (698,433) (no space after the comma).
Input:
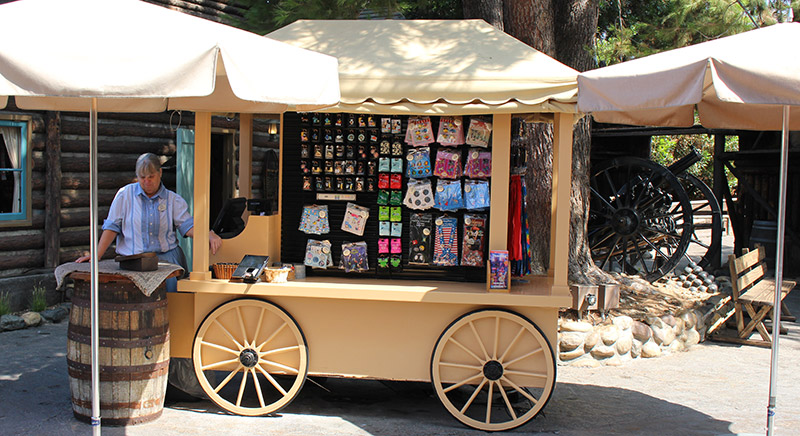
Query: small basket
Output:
(275,275)
(224,270)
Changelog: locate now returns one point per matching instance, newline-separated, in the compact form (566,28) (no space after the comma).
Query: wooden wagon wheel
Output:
(250,357)
(640,218)
(696,188)
(493,369)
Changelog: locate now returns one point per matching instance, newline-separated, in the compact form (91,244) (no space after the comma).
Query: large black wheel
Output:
(640,218)
(707,217)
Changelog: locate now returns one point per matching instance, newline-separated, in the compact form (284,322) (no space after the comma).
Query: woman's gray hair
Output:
(147,164)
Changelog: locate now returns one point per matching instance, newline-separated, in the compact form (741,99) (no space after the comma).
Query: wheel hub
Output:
(493,370)
(625,222)
(248,357)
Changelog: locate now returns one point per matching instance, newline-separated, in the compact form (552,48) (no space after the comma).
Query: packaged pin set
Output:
(314,220)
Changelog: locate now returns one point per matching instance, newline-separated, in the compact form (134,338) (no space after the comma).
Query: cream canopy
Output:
(138,57)
(435,66)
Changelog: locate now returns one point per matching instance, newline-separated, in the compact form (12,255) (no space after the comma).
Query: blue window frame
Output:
(15,192)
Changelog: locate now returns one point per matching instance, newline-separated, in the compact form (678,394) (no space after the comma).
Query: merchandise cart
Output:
(488,351)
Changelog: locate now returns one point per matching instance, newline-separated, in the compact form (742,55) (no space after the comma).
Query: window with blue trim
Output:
(14,171)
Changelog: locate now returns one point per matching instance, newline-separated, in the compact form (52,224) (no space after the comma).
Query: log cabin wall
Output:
(59,231)
(221,11)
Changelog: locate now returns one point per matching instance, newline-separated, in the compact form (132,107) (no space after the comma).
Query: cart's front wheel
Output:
(493,370)
(250,357)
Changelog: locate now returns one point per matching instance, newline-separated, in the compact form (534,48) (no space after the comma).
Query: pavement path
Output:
(711,389)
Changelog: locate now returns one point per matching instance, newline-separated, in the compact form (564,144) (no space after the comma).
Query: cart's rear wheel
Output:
(493,370)
(250,357)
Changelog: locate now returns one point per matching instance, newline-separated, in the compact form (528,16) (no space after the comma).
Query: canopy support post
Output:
(501,168)
(202,177)
(94,299)
(560,204)
(776,308)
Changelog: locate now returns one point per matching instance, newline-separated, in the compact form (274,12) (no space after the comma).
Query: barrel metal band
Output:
(80,302)
(86,331)
(83,339)
(82,371)
(146,404)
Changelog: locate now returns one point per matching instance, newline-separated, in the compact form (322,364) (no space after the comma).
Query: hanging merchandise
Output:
(448,195)
(396,198)
(397,165)
(384,228)
(419,131)
(448,164)
(514,241)
(354,257)
(479,133)
(445,241)
(419,162)
(476,194)
(420,231)
(397,230)
(527,255)
(355,219)
(479,164)
(451,131)
(314,220)
(383,197)
(318,254)
(386,125)
(474,240)
(419,194)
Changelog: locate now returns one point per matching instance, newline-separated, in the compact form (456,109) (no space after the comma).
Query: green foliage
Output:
(39,299)
(5,305)
(629,29)
(667,149)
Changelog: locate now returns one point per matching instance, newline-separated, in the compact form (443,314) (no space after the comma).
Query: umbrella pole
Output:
(96,429)
(776,308)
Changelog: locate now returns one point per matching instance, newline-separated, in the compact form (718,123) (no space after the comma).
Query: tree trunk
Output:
(489,10)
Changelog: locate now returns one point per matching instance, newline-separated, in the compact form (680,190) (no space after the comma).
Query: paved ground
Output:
(712,389)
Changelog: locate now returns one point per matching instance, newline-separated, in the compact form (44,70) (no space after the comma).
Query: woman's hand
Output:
(83,259)
(214,241)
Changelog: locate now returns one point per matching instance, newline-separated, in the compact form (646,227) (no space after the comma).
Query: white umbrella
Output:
(130,56)
(745,81)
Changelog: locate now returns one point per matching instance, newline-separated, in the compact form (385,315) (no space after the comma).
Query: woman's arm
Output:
(106,239)
(214,241)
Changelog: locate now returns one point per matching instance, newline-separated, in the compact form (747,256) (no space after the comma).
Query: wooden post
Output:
(562,187)
(52,217)
(202,166)
(501,175)
(245,157)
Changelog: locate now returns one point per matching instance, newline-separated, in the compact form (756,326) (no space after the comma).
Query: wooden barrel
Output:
(765,233)
(133,352)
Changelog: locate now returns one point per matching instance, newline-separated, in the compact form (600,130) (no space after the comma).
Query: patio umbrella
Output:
(130,56)
(746,81)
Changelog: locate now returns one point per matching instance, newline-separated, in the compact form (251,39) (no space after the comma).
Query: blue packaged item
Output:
(476,194)
(419,163)
(448,195)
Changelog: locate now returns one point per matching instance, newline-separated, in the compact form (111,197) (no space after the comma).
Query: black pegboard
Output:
(293,241)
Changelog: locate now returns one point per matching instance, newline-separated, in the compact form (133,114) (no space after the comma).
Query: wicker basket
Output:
(275,275)
(224,270)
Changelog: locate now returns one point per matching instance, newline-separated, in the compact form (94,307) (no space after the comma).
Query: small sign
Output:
(498,269)
(337,197)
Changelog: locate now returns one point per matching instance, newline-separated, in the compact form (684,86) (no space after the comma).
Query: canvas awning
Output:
(740,82)
(435,67)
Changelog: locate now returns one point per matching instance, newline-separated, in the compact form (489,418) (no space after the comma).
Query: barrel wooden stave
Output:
(133,354)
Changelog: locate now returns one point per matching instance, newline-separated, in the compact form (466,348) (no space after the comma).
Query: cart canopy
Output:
(435,67)
(741,81)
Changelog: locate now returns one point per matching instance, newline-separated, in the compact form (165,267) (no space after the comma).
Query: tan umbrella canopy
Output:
(435,66)
(130,56)
(747,81)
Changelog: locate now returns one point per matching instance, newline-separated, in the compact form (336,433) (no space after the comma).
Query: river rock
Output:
(654,321)
(55,315)
(663,336)
(650,349)
(570,341)
(613,361)
(641,331)
(11,322)
(602,352)
(668,320)
(570,355)
(591,340)
(576,326)
(676,346)
(691,337)
(609,334)
(587,362)
(636,348)
(32,319)
(624,322)
(689,319)
(624,344)
(679,326)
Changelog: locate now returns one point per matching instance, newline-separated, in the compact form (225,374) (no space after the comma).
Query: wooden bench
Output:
(754,294)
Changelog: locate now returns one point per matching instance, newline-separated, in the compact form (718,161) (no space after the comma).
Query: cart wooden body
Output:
(356,327)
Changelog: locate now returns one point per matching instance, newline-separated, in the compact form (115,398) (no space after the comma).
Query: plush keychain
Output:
(474,240)
(419,194)
(314,220)
(445,242)
(355,219)
(476,194)
(419,241)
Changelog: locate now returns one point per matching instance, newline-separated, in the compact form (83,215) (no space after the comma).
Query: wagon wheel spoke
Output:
(470,392)
(463,347)
(252,320)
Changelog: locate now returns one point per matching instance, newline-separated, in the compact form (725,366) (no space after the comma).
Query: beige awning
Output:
(138,57)
(741,81)
(435,66)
